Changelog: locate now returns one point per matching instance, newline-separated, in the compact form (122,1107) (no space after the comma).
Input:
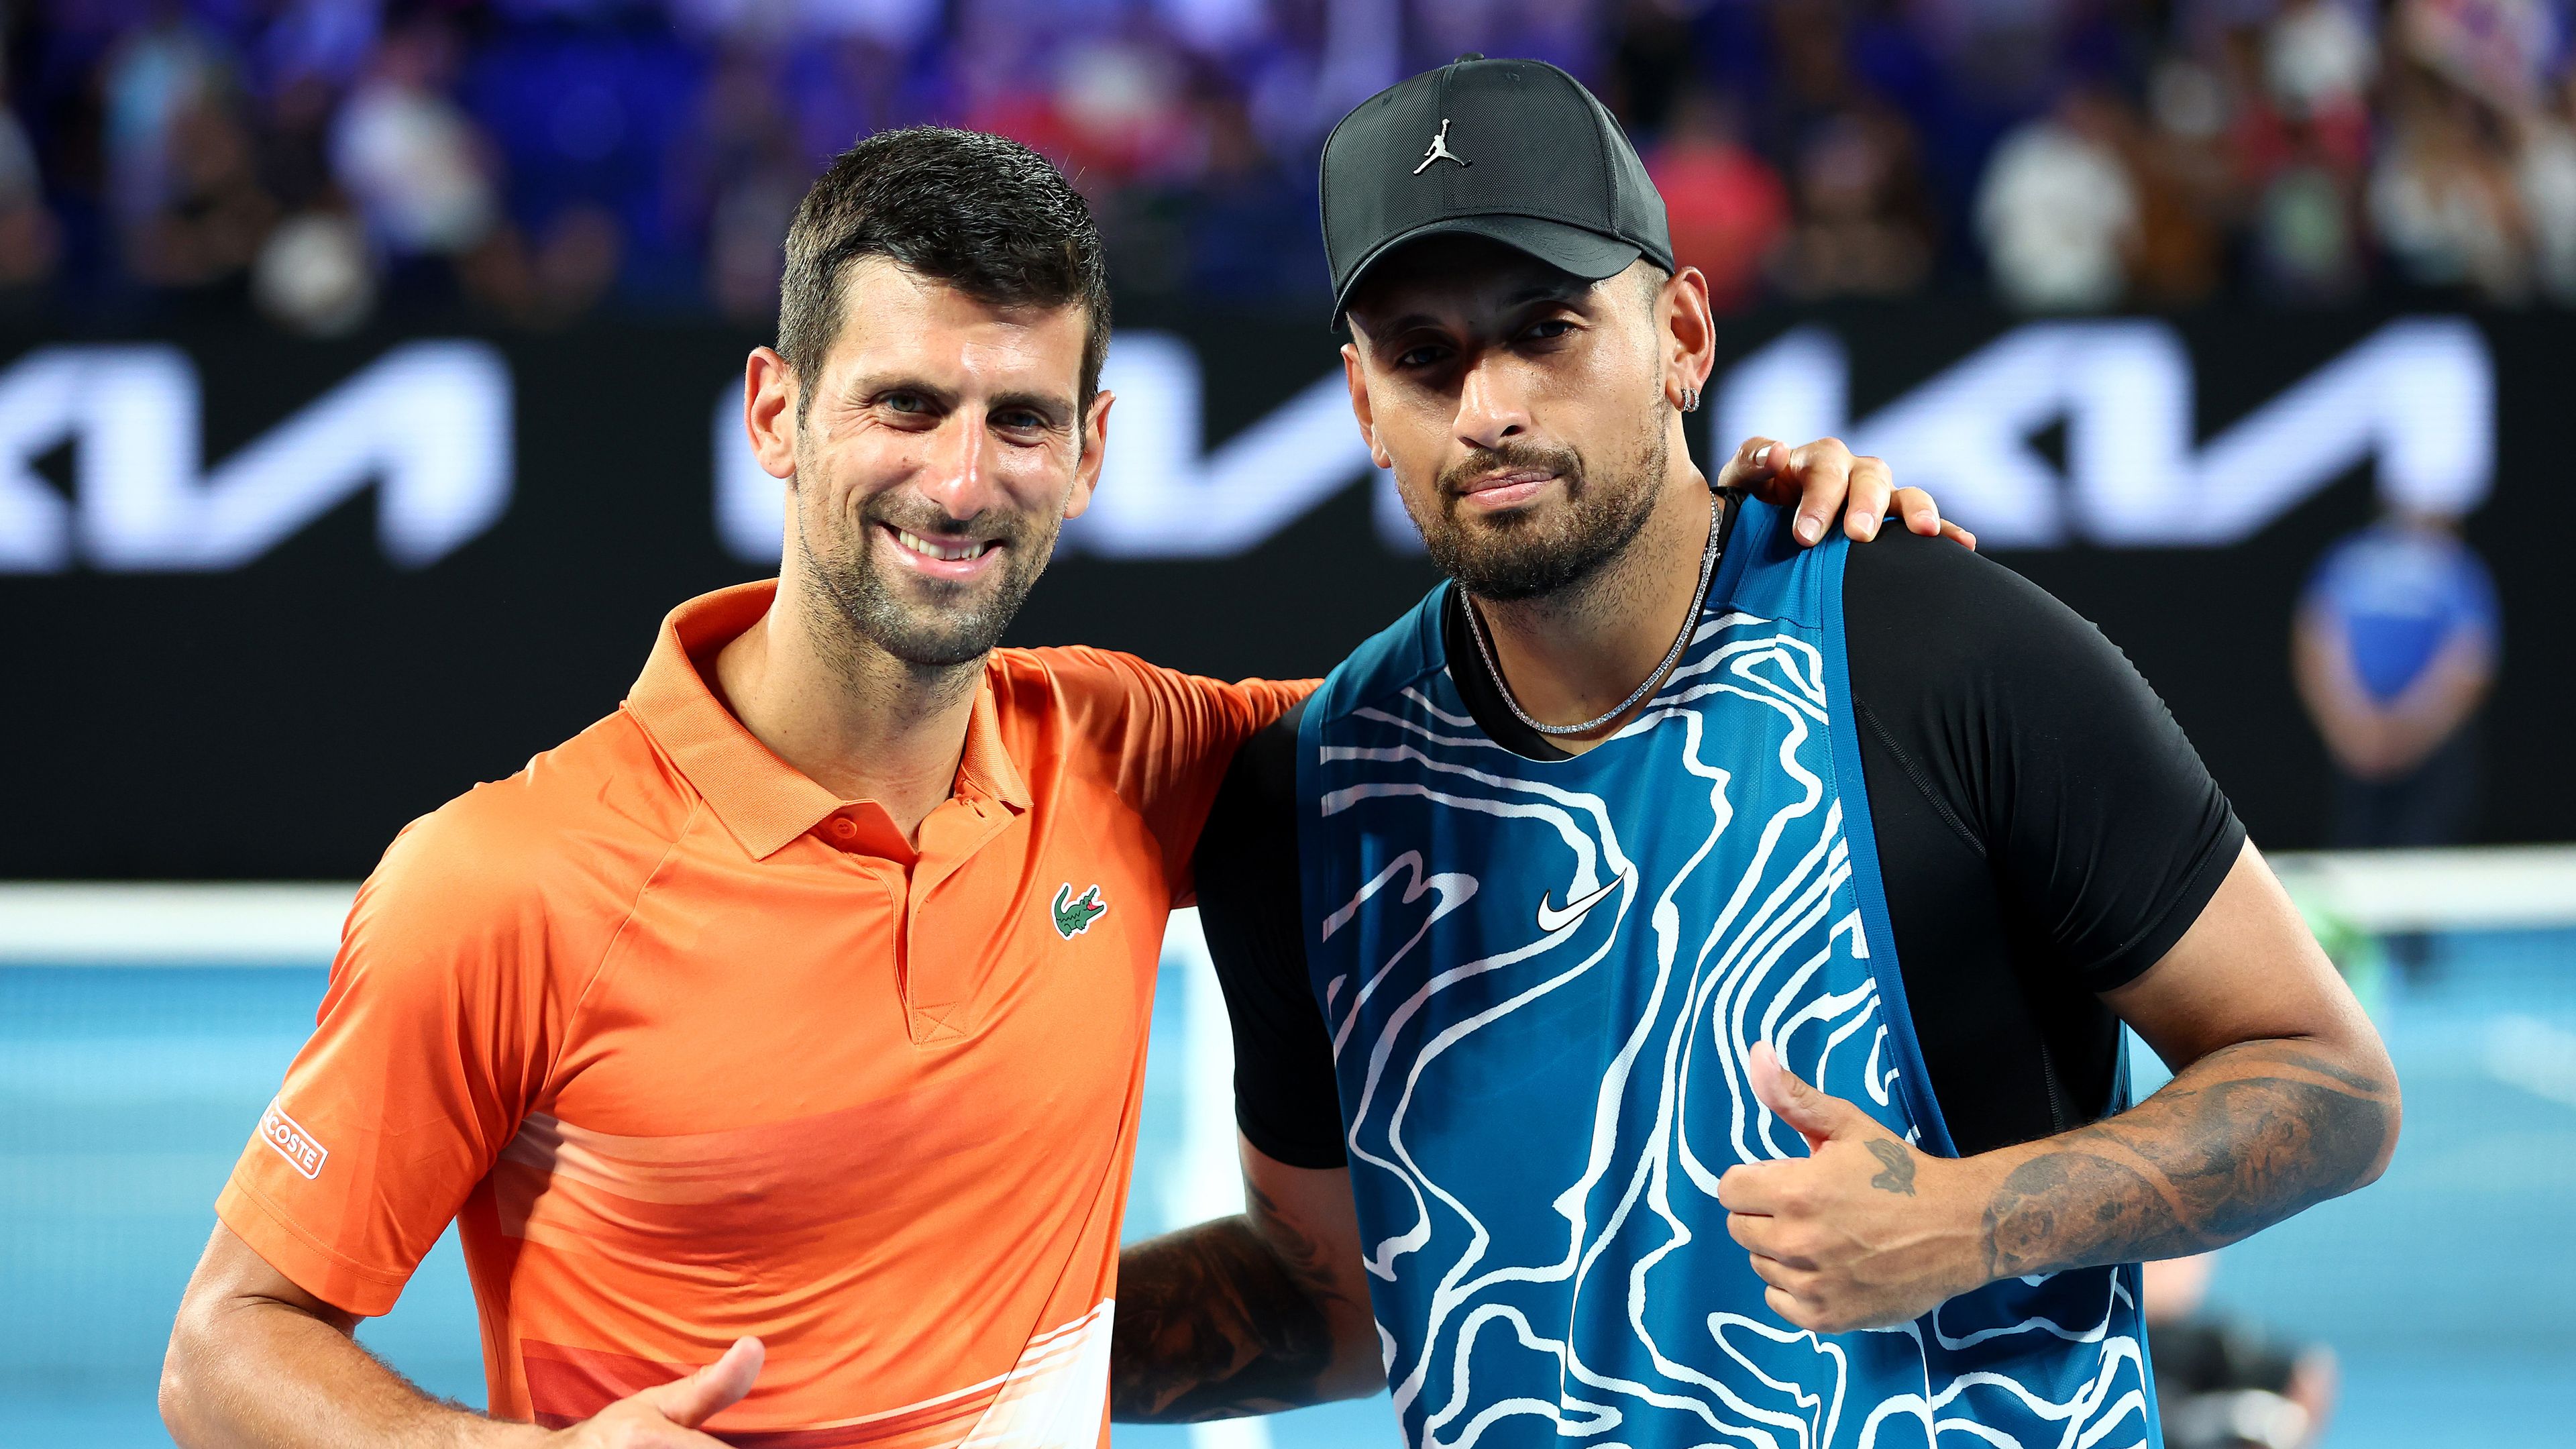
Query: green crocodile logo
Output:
(1073,915)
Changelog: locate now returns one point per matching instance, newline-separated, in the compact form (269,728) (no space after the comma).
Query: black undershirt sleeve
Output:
(2044,830)
(1249,907)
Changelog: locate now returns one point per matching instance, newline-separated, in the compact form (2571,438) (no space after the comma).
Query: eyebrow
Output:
(1050,406)
(1054,408)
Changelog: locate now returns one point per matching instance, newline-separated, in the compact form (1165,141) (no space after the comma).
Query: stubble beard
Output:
(1518,556)
(926,623)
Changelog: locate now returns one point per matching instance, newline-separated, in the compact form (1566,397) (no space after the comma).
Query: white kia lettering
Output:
(2417,398)
(431,420)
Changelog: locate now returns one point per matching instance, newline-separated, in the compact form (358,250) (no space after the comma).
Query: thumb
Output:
(1818,1117)
(1755,467)
(692,1401)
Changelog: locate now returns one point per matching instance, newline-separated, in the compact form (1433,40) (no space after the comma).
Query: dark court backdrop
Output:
(268,599)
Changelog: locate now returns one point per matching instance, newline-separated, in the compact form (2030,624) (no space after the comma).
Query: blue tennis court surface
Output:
(2449,1289)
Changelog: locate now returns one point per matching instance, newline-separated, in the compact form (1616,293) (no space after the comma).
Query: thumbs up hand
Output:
(668,1416)
(1862,1232)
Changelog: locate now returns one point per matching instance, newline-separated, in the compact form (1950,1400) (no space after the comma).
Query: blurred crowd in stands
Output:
(528,161)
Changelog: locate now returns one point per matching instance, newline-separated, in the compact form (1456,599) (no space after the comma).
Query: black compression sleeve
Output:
(1246,870)
(2104,831)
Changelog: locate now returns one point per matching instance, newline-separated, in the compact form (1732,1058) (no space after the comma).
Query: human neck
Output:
(846,714)
(1568,656)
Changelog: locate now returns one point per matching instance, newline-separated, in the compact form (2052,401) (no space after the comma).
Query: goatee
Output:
(1513,556)
(928,623)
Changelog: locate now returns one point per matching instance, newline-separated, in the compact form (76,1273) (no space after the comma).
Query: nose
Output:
(1491,410)
(958,472)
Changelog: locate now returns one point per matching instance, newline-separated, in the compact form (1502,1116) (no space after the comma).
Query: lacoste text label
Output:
(292,1142)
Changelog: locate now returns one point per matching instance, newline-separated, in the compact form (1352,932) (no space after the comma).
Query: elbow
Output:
(174,1408)
(177,1389)
(2375,1128)
(1353,1378)
(187,1374)
(2391,1121)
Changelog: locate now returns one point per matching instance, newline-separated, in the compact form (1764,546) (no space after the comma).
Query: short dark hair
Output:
(985,215)
(1651,279)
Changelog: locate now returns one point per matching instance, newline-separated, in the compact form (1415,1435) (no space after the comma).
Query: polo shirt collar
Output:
(987,769)
(764,801)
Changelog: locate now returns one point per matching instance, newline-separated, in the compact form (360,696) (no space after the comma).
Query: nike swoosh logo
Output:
(1552,920)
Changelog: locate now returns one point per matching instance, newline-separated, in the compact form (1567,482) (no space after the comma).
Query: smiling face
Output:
(1522,409)
(941,447)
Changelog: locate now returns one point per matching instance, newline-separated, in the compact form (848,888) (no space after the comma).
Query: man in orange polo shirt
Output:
(777,1041)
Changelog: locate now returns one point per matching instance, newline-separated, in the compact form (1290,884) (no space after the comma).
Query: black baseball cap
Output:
(1513,150)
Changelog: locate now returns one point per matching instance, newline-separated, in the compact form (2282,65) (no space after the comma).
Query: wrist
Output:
(482,1433)
(1970,1226)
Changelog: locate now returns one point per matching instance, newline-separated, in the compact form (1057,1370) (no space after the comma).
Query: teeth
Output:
(951,552)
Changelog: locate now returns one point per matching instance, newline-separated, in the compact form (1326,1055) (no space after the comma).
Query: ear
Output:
(1687,333)
(1360,407)
(1095,446)
(769,391)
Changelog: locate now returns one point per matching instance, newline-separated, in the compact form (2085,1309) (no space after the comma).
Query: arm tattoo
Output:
(1221,1319)
(2244,1138)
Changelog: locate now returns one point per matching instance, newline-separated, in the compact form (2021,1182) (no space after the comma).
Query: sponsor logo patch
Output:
(1552,920)
(1440,150)
(292,1142)
(1074,914)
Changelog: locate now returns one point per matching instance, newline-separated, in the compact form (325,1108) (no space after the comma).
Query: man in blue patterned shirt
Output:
(1689,1010)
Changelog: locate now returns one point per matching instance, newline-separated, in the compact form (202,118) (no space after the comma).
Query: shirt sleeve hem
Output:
(305,1259)
(1303,1153)
(2132,961)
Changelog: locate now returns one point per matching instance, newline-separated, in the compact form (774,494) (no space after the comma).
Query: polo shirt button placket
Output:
(843,830)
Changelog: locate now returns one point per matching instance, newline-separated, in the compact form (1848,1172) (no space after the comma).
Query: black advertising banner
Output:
(270,598)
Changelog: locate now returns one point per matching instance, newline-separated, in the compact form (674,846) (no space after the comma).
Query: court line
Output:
(269,923)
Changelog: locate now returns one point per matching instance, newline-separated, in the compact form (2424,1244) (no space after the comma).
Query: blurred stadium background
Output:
(368,376)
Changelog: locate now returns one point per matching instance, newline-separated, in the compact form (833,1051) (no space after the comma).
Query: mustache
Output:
(921,517)
(1513,457)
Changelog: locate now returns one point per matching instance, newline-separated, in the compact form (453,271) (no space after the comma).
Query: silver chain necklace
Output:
(1681,641)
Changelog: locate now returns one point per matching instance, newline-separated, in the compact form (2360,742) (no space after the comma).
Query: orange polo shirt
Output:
(690,1049)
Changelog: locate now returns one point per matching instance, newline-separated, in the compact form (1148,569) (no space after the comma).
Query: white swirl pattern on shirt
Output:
(1590,1320)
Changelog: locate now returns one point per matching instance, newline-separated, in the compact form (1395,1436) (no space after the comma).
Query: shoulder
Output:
(1899,567)
(1259,795)
(1158,739)
(1071,703)
(539,856)
(1106,691)
(1074,675)
(1940,617)
(1391,660)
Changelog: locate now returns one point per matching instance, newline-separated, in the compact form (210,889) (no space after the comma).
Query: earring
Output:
(1690,399)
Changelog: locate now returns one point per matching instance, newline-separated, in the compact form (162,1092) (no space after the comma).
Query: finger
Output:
(1757,1188)
(1822,471)
(1817,1117)
(1755,463)
(1796,1282)
(1748,1231)
(1761,1237)
(1920,513)
(692,1401)
(1871,485)
(1956,534)
(1789,1308)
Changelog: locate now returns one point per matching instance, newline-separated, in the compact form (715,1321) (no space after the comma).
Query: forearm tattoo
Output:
(2244,1138)
(1222,1319)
